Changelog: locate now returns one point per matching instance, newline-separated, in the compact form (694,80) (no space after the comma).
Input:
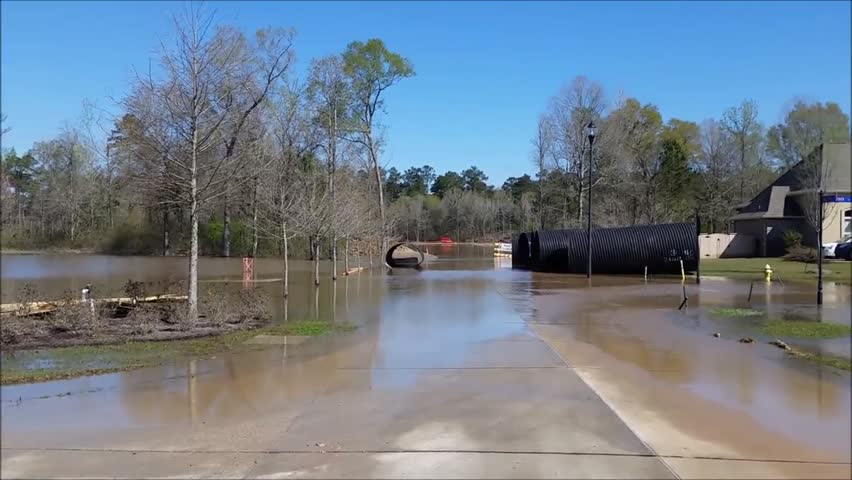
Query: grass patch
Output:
(799,329)
(66,362)
(752,268)
(45,375)
(836,362)
(736,312)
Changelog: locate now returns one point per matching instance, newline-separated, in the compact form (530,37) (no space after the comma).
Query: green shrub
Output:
(792,240)
(210,238)
(131,239)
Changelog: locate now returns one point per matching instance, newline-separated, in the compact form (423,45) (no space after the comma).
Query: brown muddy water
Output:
(626,331)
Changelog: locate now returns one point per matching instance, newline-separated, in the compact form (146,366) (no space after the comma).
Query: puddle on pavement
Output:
(638,328)
(456,304)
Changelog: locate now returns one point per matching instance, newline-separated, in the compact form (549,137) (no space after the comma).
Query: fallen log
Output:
(354,270)
(40,308)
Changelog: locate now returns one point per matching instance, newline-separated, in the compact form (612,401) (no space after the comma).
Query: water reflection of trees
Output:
(237,385)
(234,385)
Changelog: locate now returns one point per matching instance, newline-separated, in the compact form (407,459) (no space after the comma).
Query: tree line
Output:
(222,149)
(644,170)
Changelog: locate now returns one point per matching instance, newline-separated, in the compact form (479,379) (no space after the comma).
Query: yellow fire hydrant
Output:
(767,271)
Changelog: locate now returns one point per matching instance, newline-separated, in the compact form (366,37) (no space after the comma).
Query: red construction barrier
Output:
(248,270)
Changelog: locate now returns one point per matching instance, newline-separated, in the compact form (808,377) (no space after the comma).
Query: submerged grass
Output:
(832,361)
(791,330)
(736,312)
(67,362)
(804,329)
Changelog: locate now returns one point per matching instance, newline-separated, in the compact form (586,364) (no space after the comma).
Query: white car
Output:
(828,249)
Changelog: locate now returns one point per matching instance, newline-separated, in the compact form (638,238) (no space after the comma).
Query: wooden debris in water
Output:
(354,270)
(40,308)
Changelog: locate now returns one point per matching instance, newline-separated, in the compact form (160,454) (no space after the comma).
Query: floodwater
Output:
(653,364)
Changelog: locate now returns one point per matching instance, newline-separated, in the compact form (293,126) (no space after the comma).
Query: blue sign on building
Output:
(836,198)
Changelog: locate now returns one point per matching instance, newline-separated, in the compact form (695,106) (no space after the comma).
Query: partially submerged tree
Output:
(292,139)
(192,117)
(331,96)
(257,69)
(372,69)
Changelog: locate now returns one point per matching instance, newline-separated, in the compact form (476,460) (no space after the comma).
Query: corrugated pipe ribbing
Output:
(621,250)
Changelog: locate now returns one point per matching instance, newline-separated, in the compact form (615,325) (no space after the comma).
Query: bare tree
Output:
(714,165)
(186,115)
(256,70)
(636,129)
(328,85)
(742,124)
(542,143)
(67,178)
(570,111)
(812,174)
(290,146)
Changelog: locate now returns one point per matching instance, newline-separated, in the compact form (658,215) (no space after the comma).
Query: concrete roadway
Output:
(456,374)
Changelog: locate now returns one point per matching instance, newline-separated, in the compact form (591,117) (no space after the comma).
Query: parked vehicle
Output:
(844,251)
(829,250)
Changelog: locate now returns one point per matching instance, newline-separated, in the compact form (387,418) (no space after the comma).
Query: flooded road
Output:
(464,369)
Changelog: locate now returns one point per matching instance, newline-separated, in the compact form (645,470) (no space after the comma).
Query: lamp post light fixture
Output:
(591,131)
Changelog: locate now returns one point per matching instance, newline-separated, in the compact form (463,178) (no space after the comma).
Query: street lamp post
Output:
(591,130)
(819,249)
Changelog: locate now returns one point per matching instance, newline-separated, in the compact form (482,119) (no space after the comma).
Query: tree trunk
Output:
(254,222)
(192,313)
(379,188)
(286,261)
(166,246)
(332,173)
(226,230)
(192,300)
(580,204)
(541,194)
(316,263)
(109,187)
(346,256)
(333,258)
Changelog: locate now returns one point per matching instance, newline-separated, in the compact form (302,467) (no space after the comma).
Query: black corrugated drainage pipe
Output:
(622,250)
(521,250)
(535,254)
(411,259)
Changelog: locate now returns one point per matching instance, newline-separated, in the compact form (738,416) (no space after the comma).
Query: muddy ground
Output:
(73,324)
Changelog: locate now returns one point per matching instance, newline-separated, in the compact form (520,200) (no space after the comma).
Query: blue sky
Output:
(485,70)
